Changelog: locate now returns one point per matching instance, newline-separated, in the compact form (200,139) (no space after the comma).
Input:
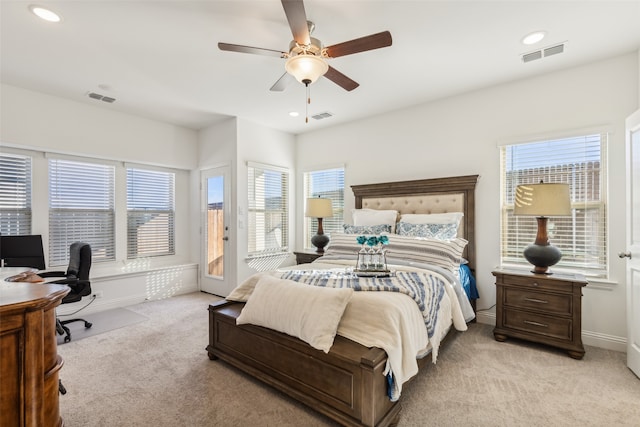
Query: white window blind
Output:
(15,194)
(582,237)
(268,211)
(150,213)
(81,208)
(328,184)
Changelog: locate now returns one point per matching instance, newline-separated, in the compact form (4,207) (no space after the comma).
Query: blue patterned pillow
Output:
(367,229)
(431,231)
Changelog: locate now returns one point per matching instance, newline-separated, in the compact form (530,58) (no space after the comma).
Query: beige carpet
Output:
(157,373)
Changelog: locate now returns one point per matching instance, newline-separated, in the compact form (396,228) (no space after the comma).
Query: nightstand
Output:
(305,257)
(541,308)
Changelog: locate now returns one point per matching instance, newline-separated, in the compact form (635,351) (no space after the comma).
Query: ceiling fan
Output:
(306,57)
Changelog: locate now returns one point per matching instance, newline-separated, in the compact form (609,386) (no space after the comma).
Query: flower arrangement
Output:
(372,260)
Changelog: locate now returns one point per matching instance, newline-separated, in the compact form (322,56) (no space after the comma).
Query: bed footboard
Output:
(346,384)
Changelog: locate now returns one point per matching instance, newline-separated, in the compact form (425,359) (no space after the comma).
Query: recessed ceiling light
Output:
(534,37)
(294,113)
(45,14)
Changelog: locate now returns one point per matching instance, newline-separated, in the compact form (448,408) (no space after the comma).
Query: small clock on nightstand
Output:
(305,257)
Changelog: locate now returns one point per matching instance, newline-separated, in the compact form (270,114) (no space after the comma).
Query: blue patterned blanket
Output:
(425,289)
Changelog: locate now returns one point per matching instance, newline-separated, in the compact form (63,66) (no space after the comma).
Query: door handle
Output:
(225,238)
(624,255)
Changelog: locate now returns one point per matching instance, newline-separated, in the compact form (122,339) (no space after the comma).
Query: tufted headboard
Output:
(426,196)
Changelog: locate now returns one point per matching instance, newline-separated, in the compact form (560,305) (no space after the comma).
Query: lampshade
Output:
(306,68)
(318,207)
(542,200)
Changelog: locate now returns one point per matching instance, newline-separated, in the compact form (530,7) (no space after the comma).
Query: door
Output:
(633,242)
(215,277)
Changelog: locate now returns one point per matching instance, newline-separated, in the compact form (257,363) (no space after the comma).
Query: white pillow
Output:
(439,218)
(311,313)
(374,217)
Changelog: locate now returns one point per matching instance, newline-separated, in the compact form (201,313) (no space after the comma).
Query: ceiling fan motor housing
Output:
(314,48)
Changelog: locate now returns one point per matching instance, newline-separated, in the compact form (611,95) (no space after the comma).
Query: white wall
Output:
(42,123)
(460,135)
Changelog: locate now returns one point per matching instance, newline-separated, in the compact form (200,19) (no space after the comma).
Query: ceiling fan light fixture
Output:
(306,68)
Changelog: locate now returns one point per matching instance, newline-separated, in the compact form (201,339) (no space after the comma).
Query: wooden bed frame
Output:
(347,384)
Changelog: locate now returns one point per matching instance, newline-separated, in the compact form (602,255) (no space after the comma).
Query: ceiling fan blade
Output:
(294,9)
(285,80)
(374,41)
(249,49)
(340,79)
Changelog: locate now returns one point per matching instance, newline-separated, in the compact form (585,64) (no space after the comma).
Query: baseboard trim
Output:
(589,338)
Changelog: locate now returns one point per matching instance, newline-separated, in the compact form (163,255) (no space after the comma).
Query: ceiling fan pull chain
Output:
(306,107)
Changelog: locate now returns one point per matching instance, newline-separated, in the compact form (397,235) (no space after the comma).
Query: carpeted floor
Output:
(157,373)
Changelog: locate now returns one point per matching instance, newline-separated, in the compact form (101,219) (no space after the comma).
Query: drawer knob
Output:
(531,322)
(537,301)
(535,284)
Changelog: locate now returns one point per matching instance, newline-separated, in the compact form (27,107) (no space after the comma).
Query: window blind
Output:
(150,213)
(579,162)
(81,208)
(15,194)
(329,184)
(268,210)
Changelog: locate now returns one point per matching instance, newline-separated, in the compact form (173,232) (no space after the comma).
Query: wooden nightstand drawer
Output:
(544,284)
(546,326)
(545,302)
(306,257)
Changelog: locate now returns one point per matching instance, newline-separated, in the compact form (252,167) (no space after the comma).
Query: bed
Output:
(349,382)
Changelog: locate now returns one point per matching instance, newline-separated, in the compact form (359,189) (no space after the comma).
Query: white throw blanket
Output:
(388,320)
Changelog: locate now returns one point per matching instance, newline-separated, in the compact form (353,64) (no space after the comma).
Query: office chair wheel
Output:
(87,324)
(67,338)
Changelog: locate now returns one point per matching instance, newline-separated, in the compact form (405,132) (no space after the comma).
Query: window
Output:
(329,184)
(81,208)
(150,213)
(15,194)
(579,162)
(268,210)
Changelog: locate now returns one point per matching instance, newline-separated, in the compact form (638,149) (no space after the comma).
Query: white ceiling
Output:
(159,59)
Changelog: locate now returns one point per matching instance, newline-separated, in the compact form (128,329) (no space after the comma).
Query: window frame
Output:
(16,189)
(574,235)
(283,211)
(329,225)
(157,201)
(98,225)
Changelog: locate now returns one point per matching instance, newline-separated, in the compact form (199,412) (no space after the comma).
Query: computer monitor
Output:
(22,251)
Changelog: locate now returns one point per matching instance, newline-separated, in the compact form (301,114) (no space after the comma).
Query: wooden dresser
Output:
(29,361)
(542,308)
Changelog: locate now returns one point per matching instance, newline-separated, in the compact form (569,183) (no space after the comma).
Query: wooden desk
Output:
(30,364)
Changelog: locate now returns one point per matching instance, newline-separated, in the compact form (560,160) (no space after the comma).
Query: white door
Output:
(215,276)
(633,242)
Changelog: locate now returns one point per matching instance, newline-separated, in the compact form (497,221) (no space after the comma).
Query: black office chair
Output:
(77,278)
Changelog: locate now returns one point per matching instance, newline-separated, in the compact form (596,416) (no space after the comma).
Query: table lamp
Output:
(542,201)
(319,208)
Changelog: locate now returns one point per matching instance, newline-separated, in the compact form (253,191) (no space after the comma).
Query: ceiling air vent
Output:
(100,97)
(321,116)
(543,53)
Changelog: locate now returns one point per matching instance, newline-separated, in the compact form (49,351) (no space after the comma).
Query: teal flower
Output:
(383,240)
(361,240)
(372,241)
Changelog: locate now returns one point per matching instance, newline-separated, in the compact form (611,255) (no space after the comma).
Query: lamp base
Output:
(320,241)
(542,257)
